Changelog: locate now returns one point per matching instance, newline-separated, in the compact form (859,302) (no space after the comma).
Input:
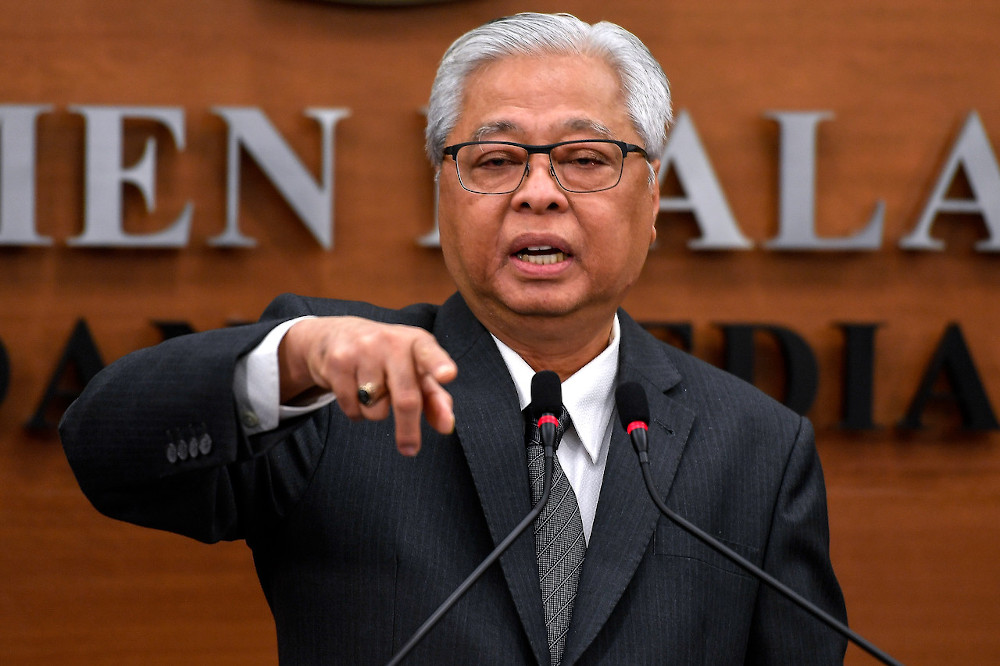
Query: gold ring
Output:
(369,394)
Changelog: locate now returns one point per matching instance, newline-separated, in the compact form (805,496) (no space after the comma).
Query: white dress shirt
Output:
(588,397)
(257,385)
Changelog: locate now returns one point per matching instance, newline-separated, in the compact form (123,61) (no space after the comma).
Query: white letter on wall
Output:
(105,176)
(797,188)
(312,202)
(972,152)
(17,175)
(704,197)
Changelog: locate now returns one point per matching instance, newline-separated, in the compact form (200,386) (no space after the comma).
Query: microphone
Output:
(633,411)
(546,404)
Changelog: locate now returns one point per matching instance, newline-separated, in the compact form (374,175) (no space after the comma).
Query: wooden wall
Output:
(915,516)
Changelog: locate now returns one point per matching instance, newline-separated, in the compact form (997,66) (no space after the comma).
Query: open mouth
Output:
(541,255)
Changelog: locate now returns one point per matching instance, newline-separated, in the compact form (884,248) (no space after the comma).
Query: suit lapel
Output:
(490,428)
(626,516)
(491,431)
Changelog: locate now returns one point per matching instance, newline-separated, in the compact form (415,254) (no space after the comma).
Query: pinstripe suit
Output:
(356,545)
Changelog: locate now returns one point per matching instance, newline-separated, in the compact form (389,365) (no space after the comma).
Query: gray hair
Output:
(645,86)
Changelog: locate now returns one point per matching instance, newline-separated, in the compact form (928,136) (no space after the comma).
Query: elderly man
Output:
(545,131)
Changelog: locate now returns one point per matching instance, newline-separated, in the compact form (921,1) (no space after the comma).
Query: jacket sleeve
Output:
(798,555)
(155,438)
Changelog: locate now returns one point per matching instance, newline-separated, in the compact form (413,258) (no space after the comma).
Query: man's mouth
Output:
(541,255)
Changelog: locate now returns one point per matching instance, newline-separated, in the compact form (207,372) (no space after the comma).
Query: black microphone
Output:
(633,411)
(546,405)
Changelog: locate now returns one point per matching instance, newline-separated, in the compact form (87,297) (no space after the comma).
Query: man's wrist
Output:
(257,382)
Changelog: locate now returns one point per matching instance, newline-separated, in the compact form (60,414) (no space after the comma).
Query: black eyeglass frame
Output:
(546,148)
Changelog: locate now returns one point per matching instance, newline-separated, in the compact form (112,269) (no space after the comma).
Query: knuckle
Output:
(372,338)
(407,401)
(337,355)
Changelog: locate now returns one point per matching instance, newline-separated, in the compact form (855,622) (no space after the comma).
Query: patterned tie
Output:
(559,541)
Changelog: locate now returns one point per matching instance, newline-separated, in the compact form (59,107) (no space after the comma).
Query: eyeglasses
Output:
(499,167)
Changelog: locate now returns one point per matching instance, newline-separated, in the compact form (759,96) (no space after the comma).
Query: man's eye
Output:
(497,161)
(585,160)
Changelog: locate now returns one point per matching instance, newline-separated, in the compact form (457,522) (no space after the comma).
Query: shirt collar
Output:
(588,395)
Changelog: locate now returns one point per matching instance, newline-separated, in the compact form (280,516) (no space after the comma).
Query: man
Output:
(545,132)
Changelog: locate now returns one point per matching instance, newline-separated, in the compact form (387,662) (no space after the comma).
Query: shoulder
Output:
(728,400)
(287,306)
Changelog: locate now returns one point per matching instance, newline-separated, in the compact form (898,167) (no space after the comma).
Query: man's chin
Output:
(544,309)
(520,305)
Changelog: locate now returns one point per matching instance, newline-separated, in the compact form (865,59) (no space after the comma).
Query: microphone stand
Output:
(633,410)
(762,575)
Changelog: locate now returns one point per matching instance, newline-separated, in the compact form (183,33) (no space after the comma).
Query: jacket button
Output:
(250,419)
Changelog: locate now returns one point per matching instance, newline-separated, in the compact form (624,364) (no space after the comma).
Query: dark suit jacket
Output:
(356,545)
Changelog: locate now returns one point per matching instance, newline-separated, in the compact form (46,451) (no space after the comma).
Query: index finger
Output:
(413,379)
(431,359)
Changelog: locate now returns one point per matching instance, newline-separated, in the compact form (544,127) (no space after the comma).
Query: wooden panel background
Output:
(914,517)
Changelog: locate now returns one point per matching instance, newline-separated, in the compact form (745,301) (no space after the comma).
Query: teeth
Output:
(542,259)
(541,255)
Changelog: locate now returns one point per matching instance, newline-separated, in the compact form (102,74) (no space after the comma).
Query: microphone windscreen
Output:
(632,404)
(546,394)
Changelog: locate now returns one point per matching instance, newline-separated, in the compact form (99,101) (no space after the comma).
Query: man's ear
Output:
(654,186)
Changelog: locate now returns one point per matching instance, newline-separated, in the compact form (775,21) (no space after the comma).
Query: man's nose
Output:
(539,189)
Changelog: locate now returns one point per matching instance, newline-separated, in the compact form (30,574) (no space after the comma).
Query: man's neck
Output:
(561,346)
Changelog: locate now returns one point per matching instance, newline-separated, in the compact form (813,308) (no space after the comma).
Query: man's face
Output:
(541,251)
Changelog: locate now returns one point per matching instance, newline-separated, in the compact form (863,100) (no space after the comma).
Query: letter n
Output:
(251,131)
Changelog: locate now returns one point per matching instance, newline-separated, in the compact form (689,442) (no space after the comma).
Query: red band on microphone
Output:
(636,424)
(548,418)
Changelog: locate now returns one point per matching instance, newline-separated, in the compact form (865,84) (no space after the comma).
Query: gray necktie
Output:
(559,542)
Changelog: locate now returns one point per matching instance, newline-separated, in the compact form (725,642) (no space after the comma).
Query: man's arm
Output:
(159,439)
(156,437)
